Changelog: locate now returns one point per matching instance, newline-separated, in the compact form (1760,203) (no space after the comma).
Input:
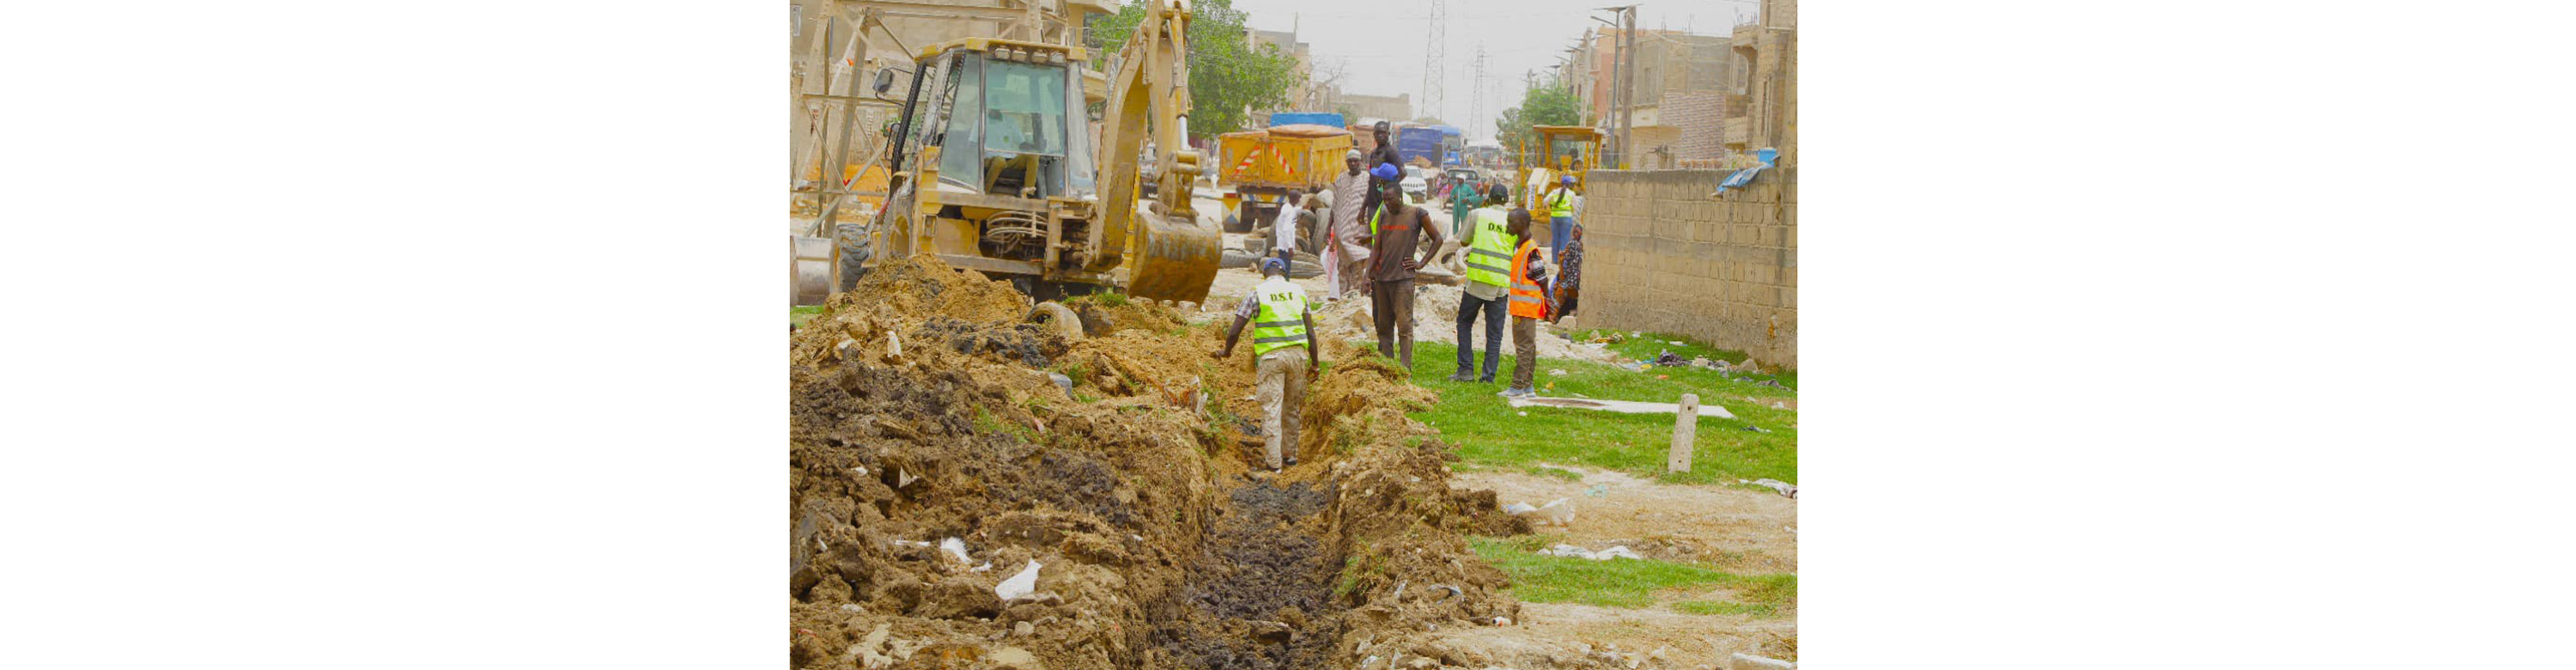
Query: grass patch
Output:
(1559,473)
(1102,298)
(1488,431)
(1710,607)
(1628,583)
(1648,345)
(986,424)
(797,316)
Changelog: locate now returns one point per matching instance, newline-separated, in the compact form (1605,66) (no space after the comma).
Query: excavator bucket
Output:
(809,270)
(1172,259)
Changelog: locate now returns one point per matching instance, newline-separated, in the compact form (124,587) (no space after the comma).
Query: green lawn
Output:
(1629,583)
(1489,433)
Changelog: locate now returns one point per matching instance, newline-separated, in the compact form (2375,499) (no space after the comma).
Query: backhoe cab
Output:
(993,170)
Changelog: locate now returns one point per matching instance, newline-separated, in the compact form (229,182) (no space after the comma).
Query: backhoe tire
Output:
(1059,318)
(851,244)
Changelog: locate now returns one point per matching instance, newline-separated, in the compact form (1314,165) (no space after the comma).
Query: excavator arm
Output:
(1168,255)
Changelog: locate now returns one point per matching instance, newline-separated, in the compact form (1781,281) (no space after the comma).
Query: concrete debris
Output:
(1519,508)
(955,547)
(867,652)
(1785,488)
(1556,372)
(1743,661)
(1571,551)
(1620,406)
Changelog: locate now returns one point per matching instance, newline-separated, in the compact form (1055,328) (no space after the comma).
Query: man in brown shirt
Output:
(1401,240)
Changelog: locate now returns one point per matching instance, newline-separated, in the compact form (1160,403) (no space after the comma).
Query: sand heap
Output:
(921,410)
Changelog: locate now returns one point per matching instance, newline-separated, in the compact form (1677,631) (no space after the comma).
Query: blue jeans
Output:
(1493,310)
(1560,230)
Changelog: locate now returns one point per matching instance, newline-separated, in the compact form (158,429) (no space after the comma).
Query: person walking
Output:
(1398,232)
(1488,257)
(1283,228)
(1529,306)
(1569,277)
(1350,200)
(1283,339)
(1462,199)
(1562,203)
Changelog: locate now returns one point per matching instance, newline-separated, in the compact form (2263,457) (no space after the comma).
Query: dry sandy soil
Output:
(1747,532)
(1735,529)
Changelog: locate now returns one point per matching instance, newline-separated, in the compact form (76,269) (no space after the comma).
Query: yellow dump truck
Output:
(1267,167)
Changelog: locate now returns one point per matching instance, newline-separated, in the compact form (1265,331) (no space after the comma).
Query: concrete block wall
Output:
(1661,255)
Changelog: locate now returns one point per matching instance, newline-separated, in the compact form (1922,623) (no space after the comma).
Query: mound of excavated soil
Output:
(921,410)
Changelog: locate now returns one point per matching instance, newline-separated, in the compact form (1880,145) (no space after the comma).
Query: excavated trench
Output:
(1259,597)
(924,415)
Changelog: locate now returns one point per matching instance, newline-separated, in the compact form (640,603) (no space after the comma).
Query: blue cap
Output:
(1273,263)
(1566,180)
(1387,172)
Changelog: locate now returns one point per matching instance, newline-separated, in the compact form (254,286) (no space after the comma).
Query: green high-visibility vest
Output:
(1489,252)
(1281,321)
(1561,205)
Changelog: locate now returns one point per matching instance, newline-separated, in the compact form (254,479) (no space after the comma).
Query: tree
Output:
(1549,104)
(1229,73)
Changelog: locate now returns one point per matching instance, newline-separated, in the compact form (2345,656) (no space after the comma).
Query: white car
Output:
(1416,187)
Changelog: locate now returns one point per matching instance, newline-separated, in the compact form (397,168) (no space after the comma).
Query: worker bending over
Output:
(1283,338)
(1489,257)
(1529,306)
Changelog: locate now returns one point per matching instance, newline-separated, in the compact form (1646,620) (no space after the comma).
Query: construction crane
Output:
(992,168)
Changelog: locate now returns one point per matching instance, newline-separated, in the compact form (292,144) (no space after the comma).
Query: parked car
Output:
(1416,186)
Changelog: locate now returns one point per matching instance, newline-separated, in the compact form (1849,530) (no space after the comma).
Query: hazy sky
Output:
(1380,43)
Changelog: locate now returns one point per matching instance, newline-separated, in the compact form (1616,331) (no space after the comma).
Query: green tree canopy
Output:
(1229,73)
(1551,103)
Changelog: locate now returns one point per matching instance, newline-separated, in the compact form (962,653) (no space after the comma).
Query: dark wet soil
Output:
(1259,596)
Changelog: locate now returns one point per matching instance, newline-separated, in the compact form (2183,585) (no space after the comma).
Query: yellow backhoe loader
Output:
(1558,151)
(993,168)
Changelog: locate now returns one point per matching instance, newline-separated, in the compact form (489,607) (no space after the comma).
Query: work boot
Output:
(1487,379)
(1516,392)
(1459,376)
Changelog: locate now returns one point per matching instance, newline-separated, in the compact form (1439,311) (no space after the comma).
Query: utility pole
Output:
(1628,94)
(1434,51)
(1623,64)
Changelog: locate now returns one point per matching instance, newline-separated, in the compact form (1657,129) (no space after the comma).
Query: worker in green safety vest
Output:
(1488,257)
(1562,205)
(1283,339)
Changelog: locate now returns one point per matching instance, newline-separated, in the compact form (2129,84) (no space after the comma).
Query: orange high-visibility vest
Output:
(1526,300)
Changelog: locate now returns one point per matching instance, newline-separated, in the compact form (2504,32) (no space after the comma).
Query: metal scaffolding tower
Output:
(1476,107)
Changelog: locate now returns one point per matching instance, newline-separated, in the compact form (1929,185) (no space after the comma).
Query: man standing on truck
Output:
(1384,154)
(1283,335)
(1350,202)
(1398,233)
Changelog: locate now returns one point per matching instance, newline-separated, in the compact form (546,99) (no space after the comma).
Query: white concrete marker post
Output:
(1685,427)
